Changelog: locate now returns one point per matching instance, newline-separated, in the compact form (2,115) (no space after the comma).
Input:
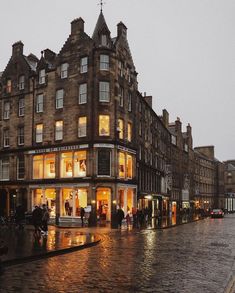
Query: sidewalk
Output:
(23,246)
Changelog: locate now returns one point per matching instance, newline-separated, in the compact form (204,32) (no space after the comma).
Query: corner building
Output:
(68,124)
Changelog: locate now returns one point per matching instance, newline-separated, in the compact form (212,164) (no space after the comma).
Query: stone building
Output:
(68,125)
(229,184)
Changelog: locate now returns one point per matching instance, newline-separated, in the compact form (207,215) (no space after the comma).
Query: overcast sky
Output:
(183,50)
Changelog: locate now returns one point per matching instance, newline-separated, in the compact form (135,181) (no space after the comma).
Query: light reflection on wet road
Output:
(192,258)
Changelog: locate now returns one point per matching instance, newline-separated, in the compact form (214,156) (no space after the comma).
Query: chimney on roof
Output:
(165,118)
(77,26)
(121,29)
(189,129)
(17,48)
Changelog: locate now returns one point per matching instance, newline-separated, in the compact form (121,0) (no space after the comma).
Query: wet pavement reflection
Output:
(23,244)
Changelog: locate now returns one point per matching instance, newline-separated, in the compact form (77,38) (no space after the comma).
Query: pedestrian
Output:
(37,221)
(45,219)
(128,219)
(82,214)
(66,206)
(120,217)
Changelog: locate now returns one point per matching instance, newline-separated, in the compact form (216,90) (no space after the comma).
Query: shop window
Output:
(9,86)
(82,126)
(59,99)
(59,130)
(104,62)
(20,168)
(104,163)
(66,165)
(42,76)
(21,82)
(129,167)
(121,128)
(104,125)
(104,91)
(49,166)
(21,107)
(83,93)
(38,167)
(64,70)
(84,65)
(129,131)
(6,110)
(72,201)
(122,165)
(39,103)
(4,169)
(39,133)
(80,164)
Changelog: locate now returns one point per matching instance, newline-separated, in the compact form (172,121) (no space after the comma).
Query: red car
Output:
(217,213)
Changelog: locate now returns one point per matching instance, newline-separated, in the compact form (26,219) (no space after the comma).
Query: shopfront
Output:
(103,203)
(45,196)
(126,198)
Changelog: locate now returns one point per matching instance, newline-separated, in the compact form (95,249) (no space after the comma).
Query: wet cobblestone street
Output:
(192,258)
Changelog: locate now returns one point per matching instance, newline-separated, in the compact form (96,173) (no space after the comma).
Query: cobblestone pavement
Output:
(192,258)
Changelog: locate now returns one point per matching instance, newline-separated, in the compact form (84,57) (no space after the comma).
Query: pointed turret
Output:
(101,28)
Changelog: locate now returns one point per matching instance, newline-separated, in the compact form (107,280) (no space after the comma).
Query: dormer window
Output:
(21,82)
(104,40)
(9,86)
(42,76)
(64,70)
(84,65)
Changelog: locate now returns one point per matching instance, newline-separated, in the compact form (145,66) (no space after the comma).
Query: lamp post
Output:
(14,203)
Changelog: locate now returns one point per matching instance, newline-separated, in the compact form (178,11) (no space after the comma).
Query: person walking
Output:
(120,217)
(45,219)
(82,214)
(37,221)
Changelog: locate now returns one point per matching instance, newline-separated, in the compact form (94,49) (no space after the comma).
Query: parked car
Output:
(217,213)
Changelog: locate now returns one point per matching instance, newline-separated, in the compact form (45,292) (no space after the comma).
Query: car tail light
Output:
(211,213)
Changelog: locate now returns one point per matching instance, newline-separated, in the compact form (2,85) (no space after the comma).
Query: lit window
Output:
(66,165)
(21,107)
(59,130)
(20,135)
(6,110)
(49,166)
(39,132)
(84,65)
(129,102)
(121,128)
(42,76)
(20,168)
(104,41)
(4,169)
(129,131)
(80,164)
(121,96)
(104,127)
(6,138)
(104,62)
(38,167)
(9,86)
(59,99)
(122,165)
(129,168)
(39,103)
(21,82)
(82,126)
(104,94)
(64,70)
(83,93)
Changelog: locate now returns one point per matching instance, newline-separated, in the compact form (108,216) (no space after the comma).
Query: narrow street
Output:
(196,257)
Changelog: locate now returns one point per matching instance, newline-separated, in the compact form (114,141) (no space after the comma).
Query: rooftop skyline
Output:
(183,51)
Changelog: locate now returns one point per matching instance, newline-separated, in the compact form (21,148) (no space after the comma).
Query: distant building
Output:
(229,182)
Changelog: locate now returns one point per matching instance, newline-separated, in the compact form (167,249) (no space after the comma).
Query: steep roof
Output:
(101,26)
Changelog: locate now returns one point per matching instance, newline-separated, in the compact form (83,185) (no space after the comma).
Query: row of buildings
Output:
(76,132)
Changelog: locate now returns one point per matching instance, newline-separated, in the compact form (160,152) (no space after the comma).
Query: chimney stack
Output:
(17,48)
(77,26)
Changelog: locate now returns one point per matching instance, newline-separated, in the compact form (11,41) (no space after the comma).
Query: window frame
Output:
(82,95)
(64,70)
(6,112)
(21,82)
(42,76)
(59,101)
(39,133)
(6,138)
(39,104)
(84,65)
(21,107)
(59,130)
(104,64)
(20,135)
(104,91)
(82,129)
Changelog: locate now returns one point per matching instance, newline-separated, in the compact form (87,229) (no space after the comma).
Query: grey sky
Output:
(184,52)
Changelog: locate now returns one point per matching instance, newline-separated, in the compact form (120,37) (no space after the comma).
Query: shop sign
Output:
(103,145)
(57,149)
(126,149)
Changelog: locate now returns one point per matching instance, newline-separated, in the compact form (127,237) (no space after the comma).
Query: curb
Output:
(12,262)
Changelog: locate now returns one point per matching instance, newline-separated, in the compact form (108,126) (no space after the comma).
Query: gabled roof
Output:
(101,26)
